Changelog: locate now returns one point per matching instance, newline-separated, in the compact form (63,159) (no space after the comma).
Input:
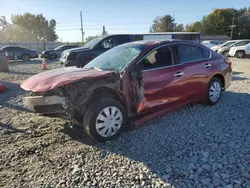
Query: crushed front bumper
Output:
(33,101)
(46,104)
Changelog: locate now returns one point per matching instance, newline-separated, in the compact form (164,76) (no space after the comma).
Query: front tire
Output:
(214,91)
(105,119)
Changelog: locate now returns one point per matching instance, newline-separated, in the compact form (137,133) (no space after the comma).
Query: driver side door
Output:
(162,81)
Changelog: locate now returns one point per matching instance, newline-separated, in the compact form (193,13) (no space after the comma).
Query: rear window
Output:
(205,53)
(188,53)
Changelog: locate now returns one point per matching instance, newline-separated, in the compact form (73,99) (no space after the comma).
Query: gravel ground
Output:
(195,146)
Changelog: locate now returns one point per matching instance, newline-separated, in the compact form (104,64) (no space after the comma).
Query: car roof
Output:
(158,42)
(10,46)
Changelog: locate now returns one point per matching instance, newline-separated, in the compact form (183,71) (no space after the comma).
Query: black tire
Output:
(208,99)
(225,53)
(240,54)
(91,114)
(26,57)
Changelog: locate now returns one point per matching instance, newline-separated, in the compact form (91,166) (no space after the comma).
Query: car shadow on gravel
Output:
(237,73)
(237,78)
(11,128)
(78,134)
(12,98)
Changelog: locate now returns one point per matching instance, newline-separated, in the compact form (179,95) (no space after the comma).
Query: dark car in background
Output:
(81,56)
(19,53)
(57,52)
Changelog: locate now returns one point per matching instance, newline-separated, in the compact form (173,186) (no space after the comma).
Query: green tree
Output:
(179,28)
(36,26)
(89,38)
(163,24)
(218,22)
(195,27)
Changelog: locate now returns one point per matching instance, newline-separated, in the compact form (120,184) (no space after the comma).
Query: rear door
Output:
(198,68)
(162,83)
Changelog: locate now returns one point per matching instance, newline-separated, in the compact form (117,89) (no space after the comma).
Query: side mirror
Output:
(106,44)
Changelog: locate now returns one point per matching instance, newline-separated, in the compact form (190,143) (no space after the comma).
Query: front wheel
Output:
(214,91)
(105,119)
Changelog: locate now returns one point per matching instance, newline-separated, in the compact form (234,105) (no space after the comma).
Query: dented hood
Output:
(58,77)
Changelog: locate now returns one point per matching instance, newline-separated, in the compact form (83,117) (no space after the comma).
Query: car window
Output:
(228,44)
(12,49)
(242,43)
(161,57)
(66,47)
(112,41)
(189,53)
(205,53)
(124,39)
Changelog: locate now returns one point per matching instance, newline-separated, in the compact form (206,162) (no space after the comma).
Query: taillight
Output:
(6,53)
(228,61)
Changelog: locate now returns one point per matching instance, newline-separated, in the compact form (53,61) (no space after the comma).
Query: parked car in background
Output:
(81,56)
(57,52)
(209,43)
(225,50)
(240,51)
(19,53)
(225,44)
(133,82)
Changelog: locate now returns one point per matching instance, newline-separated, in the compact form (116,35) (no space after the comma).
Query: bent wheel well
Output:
(106,93)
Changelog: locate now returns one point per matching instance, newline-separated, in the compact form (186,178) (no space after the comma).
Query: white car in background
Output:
(210,43)
(225,44)
(240,51)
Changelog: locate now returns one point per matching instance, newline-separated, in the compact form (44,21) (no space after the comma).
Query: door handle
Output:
(207,65)
(179,74)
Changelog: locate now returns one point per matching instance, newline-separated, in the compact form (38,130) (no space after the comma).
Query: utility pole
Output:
(232,26)
(103,31)
(81,27)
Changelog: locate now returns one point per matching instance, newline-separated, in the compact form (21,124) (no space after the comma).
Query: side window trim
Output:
(164,67)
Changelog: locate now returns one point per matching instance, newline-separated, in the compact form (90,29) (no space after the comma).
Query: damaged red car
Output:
(130,84)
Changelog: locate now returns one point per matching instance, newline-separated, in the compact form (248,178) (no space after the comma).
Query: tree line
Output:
(219,22)
(36,28)
(27,28)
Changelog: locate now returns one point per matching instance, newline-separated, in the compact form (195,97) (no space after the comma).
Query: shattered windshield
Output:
(117,58)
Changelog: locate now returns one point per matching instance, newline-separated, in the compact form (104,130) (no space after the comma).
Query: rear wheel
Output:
(105,119)
(26,57)
(214,91)
(226,53)
(240,54)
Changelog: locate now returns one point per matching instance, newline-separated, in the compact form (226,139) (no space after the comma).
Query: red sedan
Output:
(131,84)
